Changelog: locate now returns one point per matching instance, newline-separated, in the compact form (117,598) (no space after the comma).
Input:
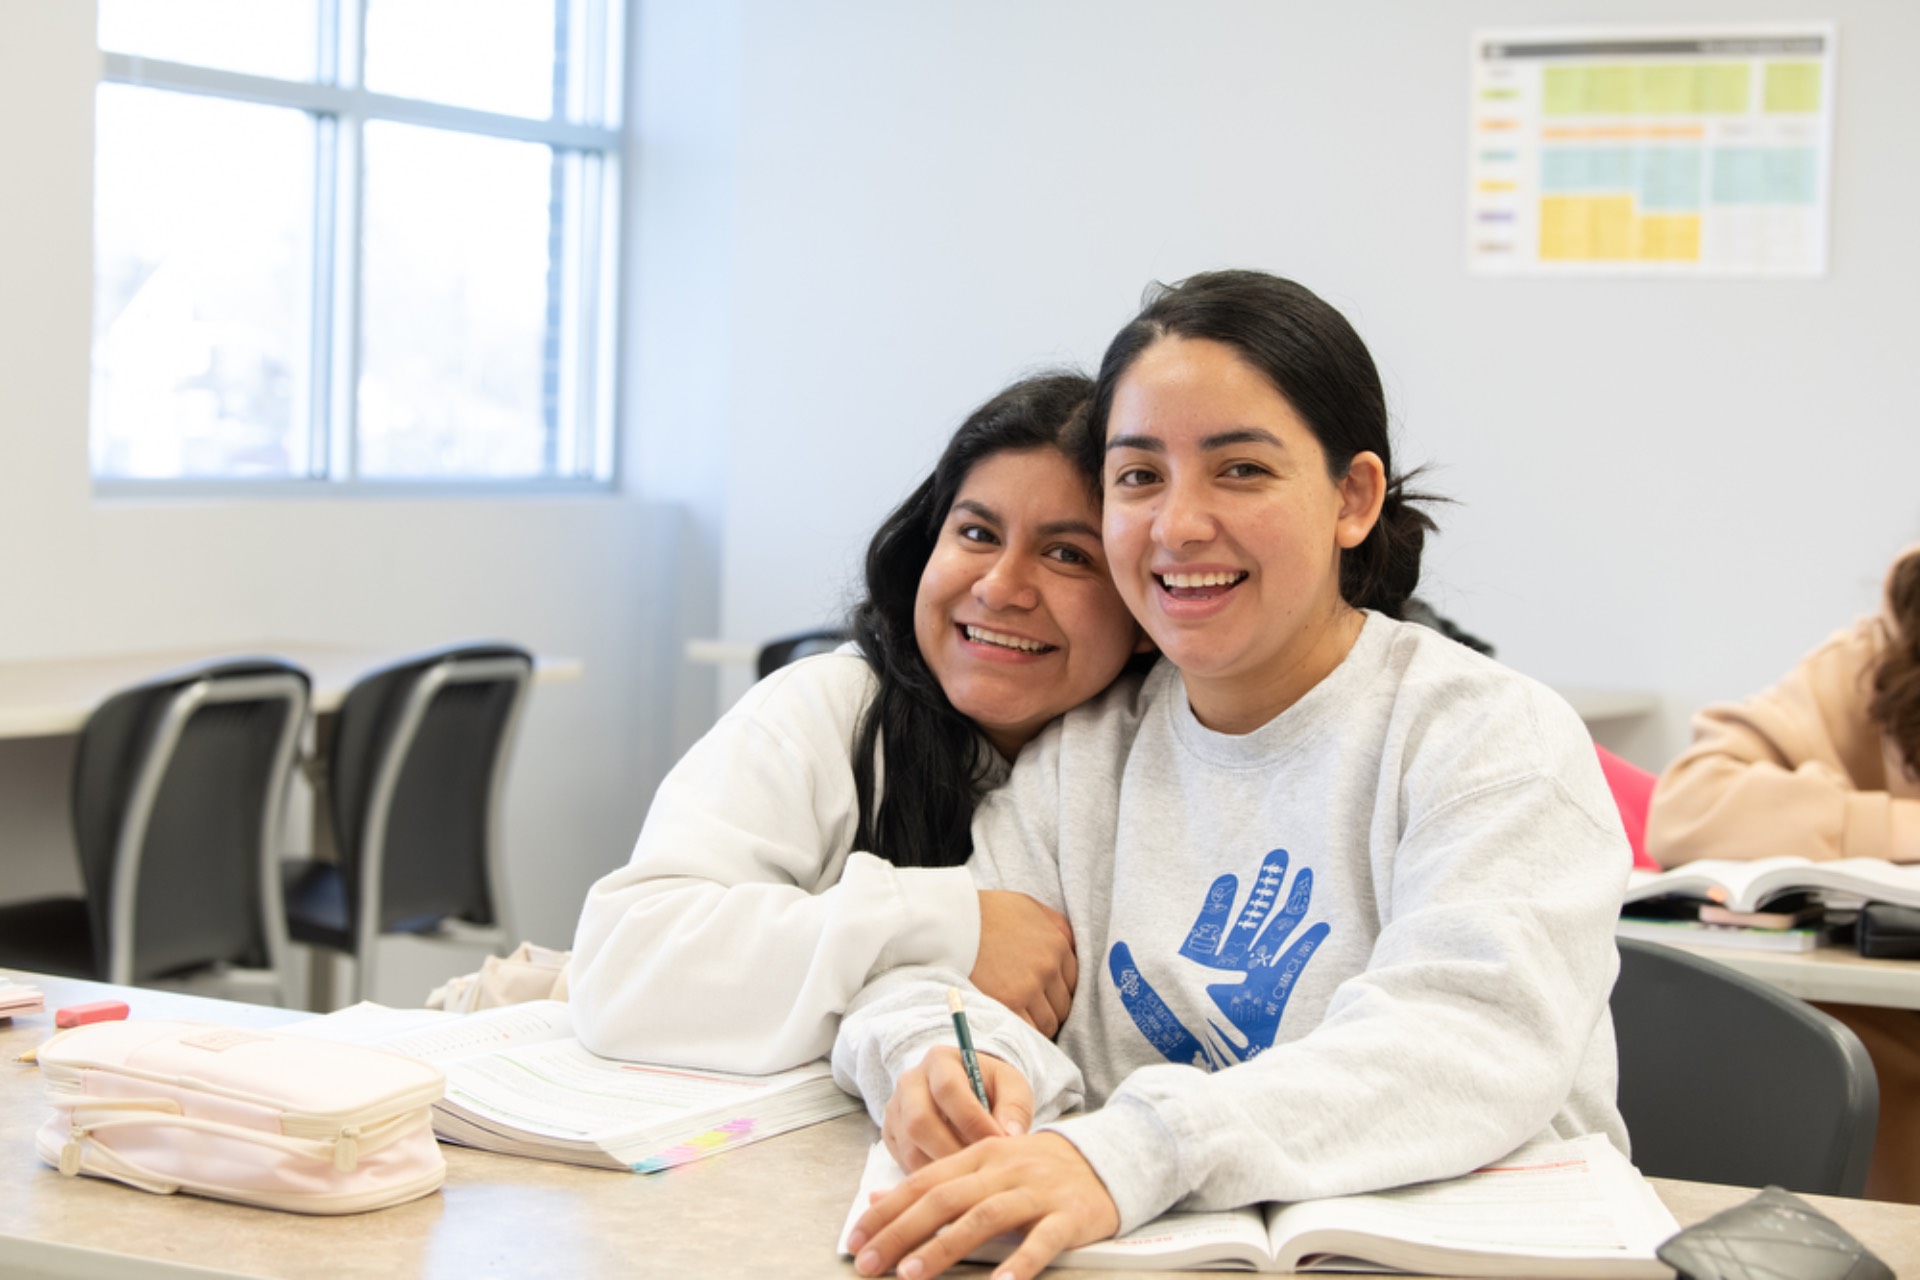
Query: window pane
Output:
(200,286)
(457,338)
(492,55)
(260,37)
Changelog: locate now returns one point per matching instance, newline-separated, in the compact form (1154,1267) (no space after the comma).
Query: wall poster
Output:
(1670,151)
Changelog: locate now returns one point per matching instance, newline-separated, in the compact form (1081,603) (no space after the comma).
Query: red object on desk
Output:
(75,1015)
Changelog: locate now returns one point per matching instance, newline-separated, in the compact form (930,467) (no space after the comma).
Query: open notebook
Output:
(519,1083)
(1562,1209)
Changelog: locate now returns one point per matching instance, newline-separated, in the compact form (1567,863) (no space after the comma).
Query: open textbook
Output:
(519,1083)
(1560,1209)
(1749,886)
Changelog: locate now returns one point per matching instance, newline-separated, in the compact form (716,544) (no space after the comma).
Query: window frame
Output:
(340,107)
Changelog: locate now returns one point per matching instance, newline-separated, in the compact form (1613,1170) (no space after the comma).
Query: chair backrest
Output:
(416,769)
(778,653)
(1632,789)
(1726,1079)
(178,787)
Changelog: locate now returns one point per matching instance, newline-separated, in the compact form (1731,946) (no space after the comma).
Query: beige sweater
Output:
(1799,768)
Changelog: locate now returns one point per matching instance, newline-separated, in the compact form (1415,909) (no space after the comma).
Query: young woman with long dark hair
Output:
(817,834)
(1344,890)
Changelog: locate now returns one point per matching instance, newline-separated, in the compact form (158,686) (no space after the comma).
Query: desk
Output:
(49,697)
(770,1209)
(1834,974)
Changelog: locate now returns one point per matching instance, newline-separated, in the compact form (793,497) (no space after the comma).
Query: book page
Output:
(1746,885)
(436,1036)
(560,1089)
(1726,881)
(1170,1241)
(487,1032)
(1578,1199)
(1179,1240)
(1869,879)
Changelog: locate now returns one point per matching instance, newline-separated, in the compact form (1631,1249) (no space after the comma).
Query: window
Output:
(355,241)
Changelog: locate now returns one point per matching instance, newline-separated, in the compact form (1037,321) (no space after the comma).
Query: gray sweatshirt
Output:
(1370,943)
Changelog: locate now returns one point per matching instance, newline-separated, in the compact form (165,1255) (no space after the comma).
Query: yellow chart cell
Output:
(1586,228)
(1668,237)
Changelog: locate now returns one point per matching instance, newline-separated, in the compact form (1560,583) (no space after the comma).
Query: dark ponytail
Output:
(1896,685)
(1384,570)
(1314,359)
(936,761)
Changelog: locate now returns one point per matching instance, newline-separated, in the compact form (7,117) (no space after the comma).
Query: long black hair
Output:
(1314,359)
(936,760)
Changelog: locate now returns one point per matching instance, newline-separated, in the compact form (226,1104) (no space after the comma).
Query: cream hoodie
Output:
(1799,768)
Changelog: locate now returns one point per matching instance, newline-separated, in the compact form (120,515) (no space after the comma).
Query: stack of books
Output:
(1768,904)
(18,997)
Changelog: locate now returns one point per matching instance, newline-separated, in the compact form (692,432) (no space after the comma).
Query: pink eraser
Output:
(99,1011)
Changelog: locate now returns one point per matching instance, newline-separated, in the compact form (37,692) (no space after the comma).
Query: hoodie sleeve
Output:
(1797,769)
(900,1015)
(744,923)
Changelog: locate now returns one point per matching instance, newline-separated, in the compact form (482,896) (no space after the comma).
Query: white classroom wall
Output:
(853,219)
(1669,485)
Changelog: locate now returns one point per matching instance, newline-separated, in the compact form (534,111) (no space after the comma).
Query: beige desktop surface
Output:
(770,1209)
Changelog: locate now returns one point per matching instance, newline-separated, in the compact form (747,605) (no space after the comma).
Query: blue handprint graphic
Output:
(1251,946)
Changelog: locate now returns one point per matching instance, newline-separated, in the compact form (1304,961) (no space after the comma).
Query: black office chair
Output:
(778,653)
(1726,1079)
(411,785)
(178,788)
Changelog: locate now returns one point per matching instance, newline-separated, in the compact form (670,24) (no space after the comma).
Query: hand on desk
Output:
(1026,959)
(948,1209)
(933,1112)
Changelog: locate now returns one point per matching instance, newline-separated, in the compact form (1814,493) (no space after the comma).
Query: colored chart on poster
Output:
(1664,152)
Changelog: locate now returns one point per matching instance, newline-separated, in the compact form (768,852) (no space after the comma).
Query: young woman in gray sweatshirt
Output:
(1343,890)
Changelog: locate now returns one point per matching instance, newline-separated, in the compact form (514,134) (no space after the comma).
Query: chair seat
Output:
(50,935)
(317,904)
(316,898)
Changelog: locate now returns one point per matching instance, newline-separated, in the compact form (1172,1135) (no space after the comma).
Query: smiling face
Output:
(1225,530)
(1016,614)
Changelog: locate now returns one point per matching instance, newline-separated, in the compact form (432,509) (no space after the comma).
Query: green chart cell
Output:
(1791,88)
(1698,88)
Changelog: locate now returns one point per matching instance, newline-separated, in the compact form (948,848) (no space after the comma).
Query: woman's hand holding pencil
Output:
(942,1106)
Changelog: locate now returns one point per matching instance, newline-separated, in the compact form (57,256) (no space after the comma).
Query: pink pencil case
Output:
(278,1121)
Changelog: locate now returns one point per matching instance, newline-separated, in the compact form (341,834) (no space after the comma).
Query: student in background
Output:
(1825,764)
(817,834)
(1344,890)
